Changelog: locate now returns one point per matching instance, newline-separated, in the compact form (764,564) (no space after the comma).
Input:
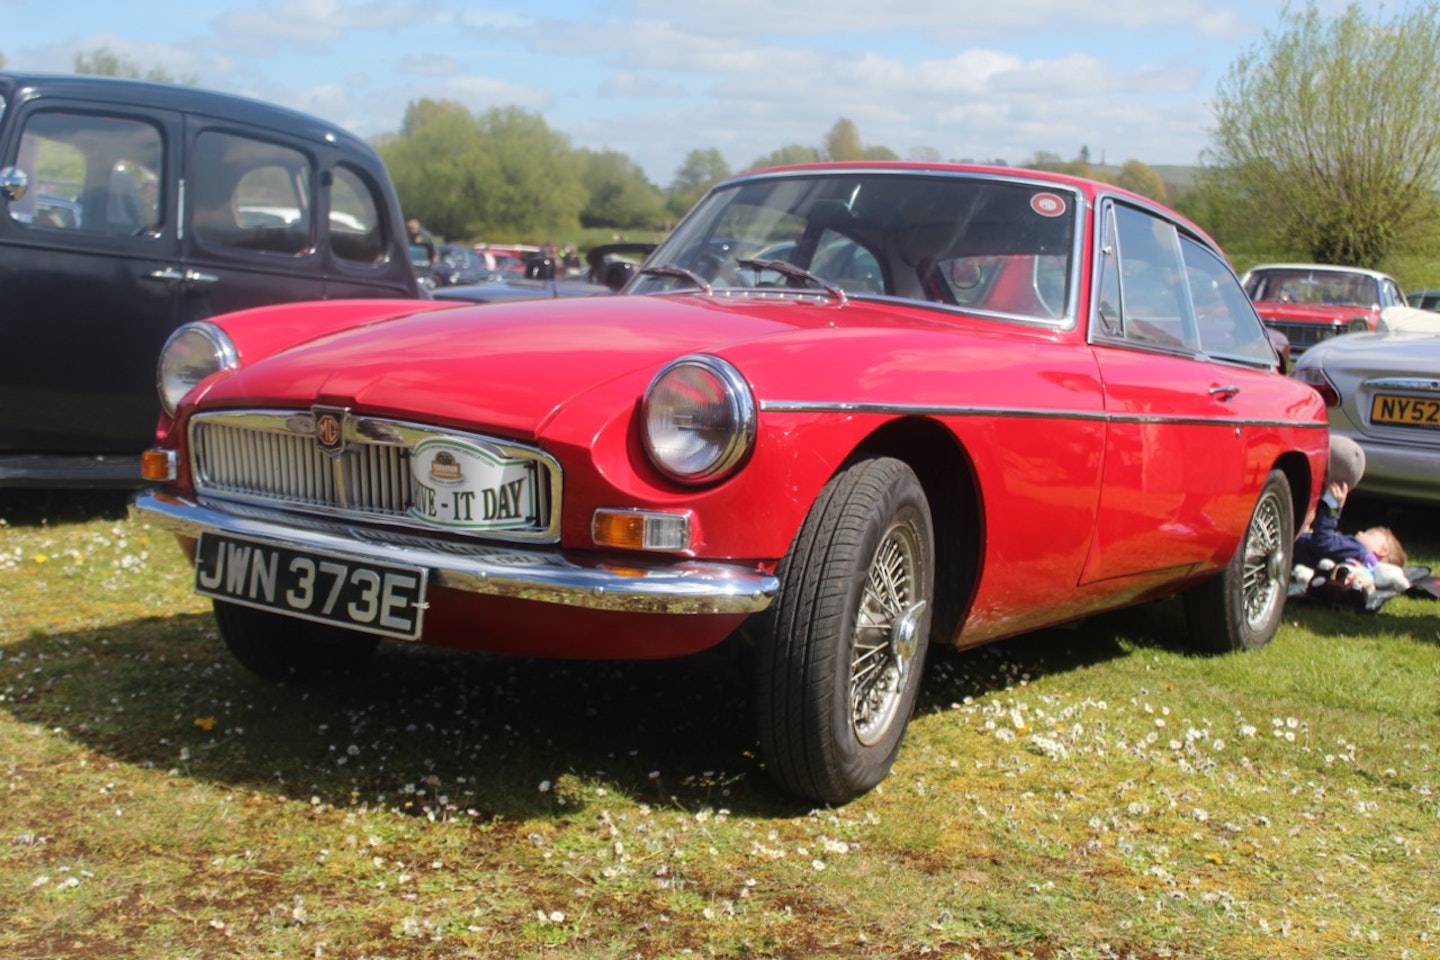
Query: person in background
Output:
(423,238)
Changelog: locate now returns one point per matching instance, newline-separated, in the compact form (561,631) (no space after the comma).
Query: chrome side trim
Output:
(548,576)
(1017,413)
(1419,384)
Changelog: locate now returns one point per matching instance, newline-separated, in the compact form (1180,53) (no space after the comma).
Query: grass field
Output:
(1096,792)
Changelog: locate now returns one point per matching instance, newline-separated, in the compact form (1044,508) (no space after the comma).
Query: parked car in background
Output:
(420,263)
(1310,302)
(128,209)
(506,257)
(974,436)
(611,266)
(459,265)
(1424,299)
(1382,390)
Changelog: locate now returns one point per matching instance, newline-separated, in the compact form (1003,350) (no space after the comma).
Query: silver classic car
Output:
(1382,389)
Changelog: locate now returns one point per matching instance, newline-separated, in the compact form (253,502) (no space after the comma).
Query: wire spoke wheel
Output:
(1242,607)
(842,649)
(1264,574)
(885,635)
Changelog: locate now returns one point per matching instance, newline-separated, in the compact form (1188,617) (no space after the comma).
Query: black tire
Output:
(282,648)
(838,665)
(1241,609)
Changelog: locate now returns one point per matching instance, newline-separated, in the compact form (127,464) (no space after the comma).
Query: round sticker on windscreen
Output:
(1047,204)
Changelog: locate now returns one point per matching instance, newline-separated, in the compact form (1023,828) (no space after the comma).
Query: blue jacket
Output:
(1325,541)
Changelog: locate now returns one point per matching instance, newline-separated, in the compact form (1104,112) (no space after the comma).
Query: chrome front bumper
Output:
(549,576)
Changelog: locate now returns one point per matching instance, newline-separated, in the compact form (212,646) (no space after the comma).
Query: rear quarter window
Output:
(356,230)
(251,194)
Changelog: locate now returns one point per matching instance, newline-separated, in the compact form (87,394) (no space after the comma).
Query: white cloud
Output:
(949,21)
(312,23)
(640,86)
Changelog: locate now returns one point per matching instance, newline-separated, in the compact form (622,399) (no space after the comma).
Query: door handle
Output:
(166,273)
(195,276)
(1226,392)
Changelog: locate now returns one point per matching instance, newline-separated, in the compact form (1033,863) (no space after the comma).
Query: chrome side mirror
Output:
(13,183)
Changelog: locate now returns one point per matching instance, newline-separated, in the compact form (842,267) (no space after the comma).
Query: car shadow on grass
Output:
(425,730)
(27,507)
(446,734)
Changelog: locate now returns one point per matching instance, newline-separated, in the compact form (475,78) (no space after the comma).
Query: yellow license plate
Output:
(1405,411)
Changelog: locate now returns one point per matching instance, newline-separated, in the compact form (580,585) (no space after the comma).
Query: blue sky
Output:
(655,79)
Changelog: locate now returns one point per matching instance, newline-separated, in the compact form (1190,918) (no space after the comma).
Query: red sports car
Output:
(843,411)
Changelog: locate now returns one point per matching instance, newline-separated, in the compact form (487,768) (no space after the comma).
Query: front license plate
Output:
(364,595)
(1396,411)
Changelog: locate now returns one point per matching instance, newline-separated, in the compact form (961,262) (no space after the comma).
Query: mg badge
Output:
(330,429)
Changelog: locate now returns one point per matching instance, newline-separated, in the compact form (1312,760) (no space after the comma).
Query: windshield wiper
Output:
(786,268)
(675,270)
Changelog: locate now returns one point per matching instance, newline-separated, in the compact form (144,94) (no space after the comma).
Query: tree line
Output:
(1326,147)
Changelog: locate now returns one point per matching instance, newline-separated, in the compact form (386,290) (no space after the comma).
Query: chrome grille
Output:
(1303,335)
(275,458)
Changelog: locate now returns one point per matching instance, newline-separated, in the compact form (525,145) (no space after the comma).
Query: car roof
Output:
(19,87)
(1331,267)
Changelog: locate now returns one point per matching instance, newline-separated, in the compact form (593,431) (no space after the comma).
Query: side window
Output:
(1224,317)
(90,173)
(1153,298)
(355,228)
(251,194)
(1391,296)
(1107,303)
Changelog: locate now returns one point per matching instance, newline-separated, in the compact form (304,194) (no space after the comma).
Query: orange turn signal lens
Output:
(641,530)
(158,465)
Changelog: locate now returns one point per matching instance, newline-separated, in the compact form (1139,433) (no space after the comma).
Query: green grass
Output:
(1087,793)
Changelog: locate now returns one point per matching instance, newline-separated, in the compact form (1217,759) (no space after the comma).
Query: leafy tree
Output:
(442,169)
(1332,128)
(503,175)
(619,194)
(1229,216)
(104,62)
(794,153)
(1142,179)
(701,170)
(843,141)
(1079,167)
(542,192)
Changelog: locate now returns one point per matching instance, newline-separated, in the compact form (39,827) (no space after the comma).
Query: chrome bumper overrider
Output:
(640,586)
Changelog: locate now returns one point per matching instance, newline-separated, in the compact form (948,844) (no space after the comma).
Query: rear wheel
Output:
(1241,608)
(282,648)
(843,647)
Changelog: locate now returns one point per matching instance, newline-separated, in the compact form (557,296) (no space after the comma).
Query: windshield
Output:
(1304,285)
(975,243)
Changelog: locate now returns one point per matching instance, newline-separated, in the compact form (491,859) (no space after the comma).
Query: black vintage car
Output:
(129,208)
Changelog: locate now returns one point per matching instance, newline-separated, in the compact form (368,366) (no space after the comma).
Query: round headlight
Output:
(192,353)
(699,419)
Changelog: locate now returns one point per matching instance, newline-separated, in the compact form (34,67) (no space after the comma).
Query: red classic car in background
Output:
(1309,303)
(843,411)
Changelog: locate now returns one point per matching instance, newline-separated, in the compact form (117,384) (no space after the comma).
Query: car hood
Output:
(1311,312)
(513,366)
